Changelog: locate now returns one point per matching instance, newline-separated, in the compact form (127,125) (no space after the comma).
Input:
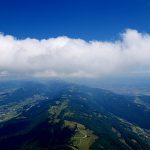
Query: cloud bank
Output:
(67,57)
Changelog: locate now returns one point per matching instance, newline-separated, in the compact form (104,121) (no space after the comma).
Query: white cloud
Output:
(66,57)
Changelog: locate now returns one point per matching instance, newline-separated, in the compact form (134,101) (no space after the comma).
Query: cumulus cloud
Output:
(67,57)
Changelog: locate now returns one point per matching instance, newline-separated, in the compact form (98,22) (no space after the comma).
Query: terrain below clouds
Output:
(59,115)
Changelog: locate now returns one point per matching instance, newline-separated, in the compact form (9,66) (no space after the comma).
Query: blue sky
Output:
(86,19)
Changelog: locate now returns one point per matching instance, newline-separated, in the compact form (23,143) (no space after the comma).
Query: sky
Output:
(86,19)
(74,38)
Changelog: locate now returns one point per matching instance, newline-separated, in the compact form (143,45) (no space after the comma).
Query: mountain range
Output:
(57,115)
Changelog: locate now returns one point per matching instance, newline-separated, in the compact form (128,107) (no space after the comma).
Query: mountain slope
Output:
(57,115)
